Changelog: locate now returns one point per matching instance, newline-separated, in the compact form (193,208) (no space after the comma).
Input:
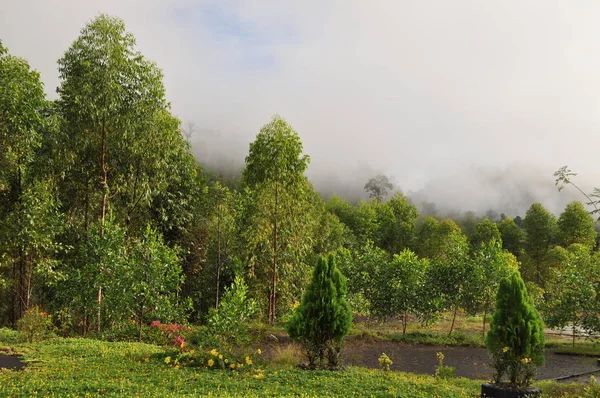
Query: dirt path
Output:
(468,362)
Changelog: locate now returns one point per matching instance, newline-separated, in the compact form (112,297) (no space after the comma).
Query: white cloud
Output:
(415,89)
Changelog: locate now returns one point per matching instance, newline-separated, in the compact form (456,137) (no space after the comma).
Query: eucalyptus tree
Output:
(29,217)
(278,226)
(120,139)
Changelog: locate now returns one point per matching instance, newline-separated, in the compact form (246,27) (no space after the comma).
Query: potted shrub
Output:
(515,342)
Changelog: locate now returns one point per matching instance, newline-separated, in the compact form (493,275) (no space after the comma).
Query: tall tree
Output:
(513,237)
(278,191)
(378,187)
(119,133)
(576,225)
(29,220)
(540,228)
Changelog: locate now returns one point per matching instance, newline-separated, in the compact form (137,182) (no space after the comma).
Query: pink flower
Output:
(155,323)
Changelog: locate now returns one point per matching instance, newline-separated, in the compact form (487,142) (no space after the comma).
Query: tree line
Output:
(106,218)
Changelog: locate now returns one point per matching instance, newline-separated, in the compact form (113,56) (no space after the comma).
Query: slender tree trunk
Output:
(141,321)
(483,330)
(274,282)
(103,220)
(453,320)
(573,327)
(404,322)
(218,273)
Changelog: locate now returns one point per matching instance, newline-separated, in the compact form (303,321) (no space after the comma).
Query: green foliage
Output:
(516,336)
(395,223)
(512,235)
(35,325)
(576,225)
(155,277)
(384,362)
(324,316)
(442,371)
(486,231)
(8,336)
(489,265)
(540,228)
(399,286)
(230,321)
(278,223)
(571,292)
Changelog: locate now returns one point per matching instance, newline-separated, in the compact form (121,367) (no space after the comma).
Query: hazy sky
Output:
(420,90)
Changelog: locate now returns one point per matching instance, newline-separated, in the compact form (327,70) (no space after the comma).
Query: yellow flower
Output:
(227,360)
(506,349)
(248,361)
(239,365)
(259,376)
(177,367)
(211,363)
(176,362)
(214,352)
(220,356)
(192,352)
(259,351)
(168,360)
(526,360)
(232,366)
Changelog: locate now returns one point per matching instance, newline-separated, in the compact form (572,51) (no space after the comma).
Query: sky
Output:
(468,103)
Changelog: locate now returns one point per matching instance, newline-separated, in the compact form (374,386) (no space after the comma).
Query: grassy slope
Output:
(77,367)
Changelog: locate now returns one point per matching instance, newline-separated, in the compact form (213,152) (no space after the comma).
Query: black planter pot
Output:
(495,391)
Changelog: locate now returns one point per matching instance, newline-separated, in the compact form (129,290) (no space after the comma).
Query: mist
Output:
(471,105)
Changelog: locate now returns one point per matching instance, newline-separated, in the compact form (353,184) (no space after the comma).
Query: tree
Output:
(449,271)
(378,187)
(571,293)
(540,228)
(153,281)
(277,192)
(486,231)
(489,265)
(396,223)
(29,219)
(120,141)
(516,336)
(576,225)
(513,237)
(400,286)
(427,236)
(324,316)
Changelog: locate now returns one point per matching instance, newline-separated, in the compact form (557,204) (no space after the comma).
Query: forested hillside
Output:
(107,219)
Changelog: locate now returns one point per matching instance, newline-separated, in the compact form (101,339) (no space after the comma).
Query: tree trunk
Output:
(273,297)
(103,220)
(140,323)
(404,322)
(573,327)
(453,320)
(218,273)
(483,331)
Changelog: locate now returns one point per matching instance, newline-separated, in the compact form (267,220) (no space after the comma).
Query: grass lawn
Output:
(84,367)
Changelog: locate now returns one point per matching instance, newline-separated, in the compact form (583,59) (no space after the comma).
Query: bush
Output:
(35,325)
(516,337)
(230,322)
(384,362)
(8,336)
(324,316)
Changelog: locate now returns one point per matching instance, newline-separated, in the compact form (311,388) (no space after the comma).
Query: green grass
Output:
(83,367)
